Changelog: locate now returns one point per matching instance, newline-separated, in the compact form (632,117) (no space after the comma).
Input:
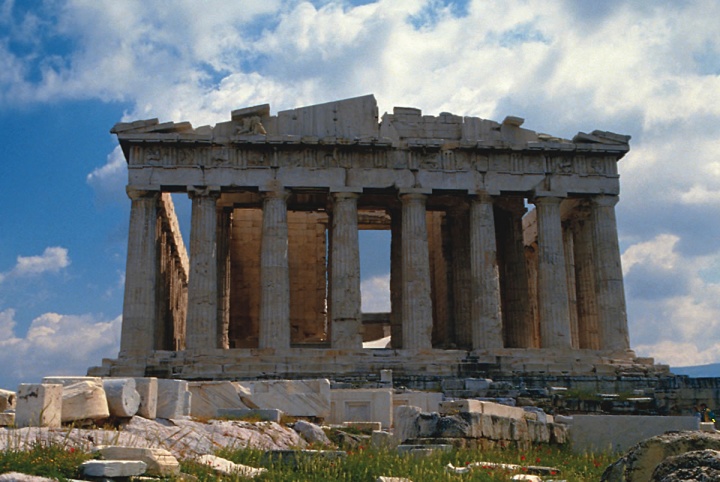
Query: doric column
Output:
(485,276)
(396,284)
(519,328)
(345,312)
(416,302)
(224,232)
(588,336)
(141,275)
(203,281)
(612,317)
(274,273)
(462,292)
(571,284)
(552,278)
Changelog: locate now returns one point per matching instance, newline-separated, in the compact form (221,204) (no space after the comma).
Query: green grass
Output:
(366,465)
(54,461)
(61,462)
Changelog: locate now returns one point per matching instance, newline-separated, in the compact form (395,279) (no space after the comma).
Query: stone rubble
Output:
(226,467)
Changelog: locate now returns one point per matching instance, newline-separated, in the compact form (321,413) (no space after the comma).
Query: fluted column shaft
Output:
(345,309)
(485,276)
(224,231)
(462,294)
(569,252)
(274,273)
(396,284)
(552,277)
(416,301)
(585,281)
(612,317)
(141,274)
(203,281)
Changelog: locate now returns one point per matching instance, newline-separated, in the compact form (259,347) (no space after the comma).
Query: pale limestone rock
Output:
(113,468)
(529,477)
(160,462)
(312,433)
(7,400)
(147,388)
(263,414)
(392,479)
(173,399)
(39,405)
(18,477)
(209,397)
(227,467)
(122,397)
(383,440)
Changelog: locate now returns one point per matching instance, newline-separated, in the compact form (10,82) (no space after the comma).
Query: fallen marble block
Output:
(173,399)
(208,398)
(7,400)
(123,399)
(83,398)
(39,405)
(7,419)
(227,467)
(262,414)
(160,462)
(147,387)
(113,468)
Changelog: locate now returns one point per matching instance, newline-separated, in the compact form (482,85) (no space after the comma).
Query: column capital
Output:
(604,200)
(203,191)
(283,194)
(546,200)
(135,193)
(342,195)
(484,197)
(413,196)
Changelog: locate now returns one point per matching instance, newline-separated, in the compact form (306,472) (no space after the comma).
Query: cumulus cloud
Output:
(376,294)
(52,260)
(55,344)
(109,180)
(649,69)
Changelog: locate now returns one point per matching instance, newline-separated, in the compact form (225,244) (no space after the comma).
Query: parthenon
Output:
(503,255)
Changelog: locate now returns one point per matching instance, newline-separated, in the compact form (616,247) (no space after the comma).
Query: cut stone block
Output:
(173,399)
(147,387)
(227,467)
(113,468)
(427,401)
(487,408)
(363,405)
(7,419)
(160,462)
(406,426)
(123,399)
(83,398)
(264,414)
(39,405)
(381,439)
(392,479)
(210,397)
(297,398)
(707,427)
(7,400)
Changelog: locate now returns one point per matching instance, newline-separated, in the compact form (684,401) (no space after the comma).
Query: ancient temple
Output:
(504,246)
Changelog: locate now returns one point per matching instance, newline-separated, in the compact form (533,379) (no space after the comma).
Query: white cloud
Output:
(52,260)
(109,180)
(376,294)
(649,69)
(55,344)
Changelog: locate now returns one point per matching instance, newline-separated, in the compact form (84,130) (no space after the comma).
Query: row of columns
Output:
(410,285)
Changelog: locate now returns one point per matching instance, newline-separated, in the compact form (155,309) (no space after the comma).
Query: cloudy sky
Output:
(70,69)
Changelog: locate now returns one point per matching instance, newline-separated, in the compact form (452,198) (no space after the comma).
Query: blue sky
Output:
(70,69)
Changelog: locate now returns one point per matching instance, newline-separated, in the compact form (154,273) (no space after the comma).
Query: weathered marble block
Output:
(123,399)
(147,387)
(113,468)
(160,462)
(362,405)
(227,467)
(210,397)
(39,405)
(7,419)
(174,399)
(297,398)
(83,398)
(427,401)
(7,400)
